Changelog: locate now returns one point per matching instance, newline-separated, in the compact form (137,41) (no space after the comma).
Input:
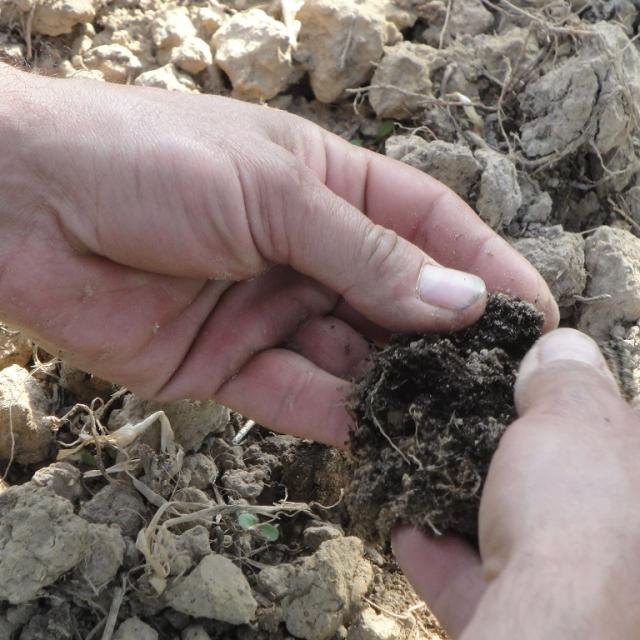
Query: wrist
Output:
(588,595)
(23,194)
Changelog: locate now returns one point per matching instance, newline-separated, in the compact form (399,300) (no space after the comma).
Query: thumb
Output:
(558,368)
(558,521)
(384,276)
(557,459)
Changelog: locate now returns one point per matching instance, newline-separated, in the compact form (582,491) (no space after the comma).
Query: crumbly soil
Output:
(529,111)
(429,417)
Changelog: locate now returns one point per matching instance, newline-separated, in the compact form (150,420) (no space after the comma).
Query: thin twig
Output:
(100,411)
(243,432)
(27,31)
(386,436)
(112,618)
(406,615)
(13,446)
(588,300)
(347,45)
(445,26)
(622,213)
(446,76)
(545,24)
(503,90)
(98,445)
(425,99)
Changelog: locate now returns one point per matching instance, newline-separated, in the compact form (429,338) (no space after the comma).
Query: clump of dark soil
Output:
(429,417)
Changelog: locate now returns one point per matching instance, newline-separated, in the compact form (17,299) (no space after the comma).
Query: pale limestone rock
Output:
(62,478)
(403,80)
(56,17)
(326,589)
(193,55)
(402,13)
(172,27)
(623,356)
(25,429)
(185,550)
(215,589)
(14,348)
(116,504)
(199,471)
(612,257)
(245,483)
(452,164)
(316,534)
(131,29)
(40,540)
(467,17)
(135,629)
(322,592)
(166,77)
(585,99)
(114,61)
(273,581)
(499,198)
(559,257)
(103,557)
(88,74)
(340,42)
(536,204)
(254,50)
(207,20)
(371,625)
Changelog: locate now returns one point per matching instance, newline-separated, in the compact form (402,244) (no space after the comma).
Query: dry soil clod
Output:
(25,428)
(429,417)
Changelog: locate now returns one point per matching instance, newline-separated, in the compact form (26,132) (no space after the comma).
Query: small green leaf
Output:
(247,520)
(358,142)
(268,531)
(88,459)
(384,130)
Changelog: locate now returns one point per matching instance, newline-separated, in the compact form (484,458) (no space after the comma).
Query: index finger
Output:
(431,216)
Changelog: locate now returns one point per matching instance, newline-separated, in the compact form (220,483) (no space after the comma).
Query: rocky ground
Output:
(121,518)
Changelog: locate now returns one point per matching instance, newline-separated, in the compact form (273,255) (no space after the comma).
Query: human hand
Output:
(559,526)
(174,243)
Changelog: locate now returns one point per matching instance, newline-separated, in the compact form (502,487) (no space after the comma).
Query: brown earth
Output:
(429,418)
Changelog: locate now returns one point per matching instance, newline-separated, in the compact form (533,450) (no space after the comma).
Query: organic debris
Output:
(429,417)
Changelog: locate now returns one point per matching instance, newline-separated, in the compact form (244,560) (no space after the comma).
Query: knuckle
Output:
(379,247)
(289,191)
(423,230)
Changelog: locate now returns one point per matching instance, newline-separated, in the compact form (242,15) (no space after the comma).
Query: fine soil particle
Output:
(429,417)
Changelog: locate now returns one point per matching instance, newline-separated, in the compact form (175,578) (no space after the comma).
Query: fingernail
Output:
(563,344)
(566,345)
(449,288)
(569,344)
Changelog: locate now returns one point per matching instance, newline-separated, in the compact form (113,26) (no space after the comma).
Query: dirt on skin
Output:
(429,417)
